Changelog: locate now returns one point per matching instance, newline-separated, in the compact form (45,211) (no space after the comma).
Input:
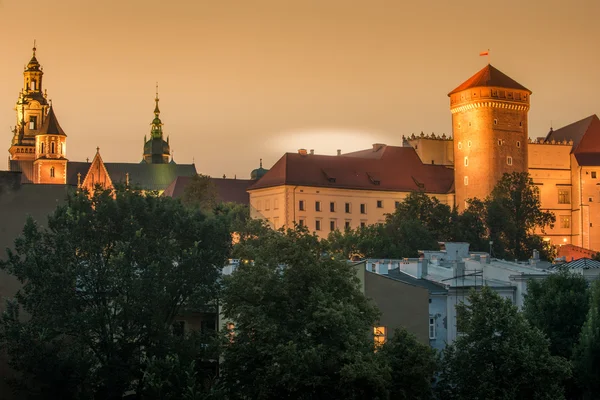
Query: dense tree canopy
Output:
(302,325)
(499,355)
(200,193)
(102,285)
(558,306)
(587,352)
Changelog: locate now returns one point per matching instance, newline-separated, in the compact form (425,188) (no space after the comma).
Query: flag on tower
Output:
(485,53)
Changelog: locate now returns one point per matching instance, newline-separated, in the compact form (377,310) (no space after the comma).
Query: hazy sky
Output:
(242,80)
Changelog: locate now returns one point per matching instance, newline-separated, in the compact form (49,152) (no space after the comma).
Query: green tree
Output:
(513,214)
(102,285)
(587,351)
(302,325)
(413,366)
(200,193)
(558,306)
(470,226)
(499,355)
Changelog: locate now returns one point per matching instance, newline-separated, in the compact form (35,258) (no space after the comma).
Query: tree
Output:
(413,366)
(200,193)
(513,214)
(102,285)
(587,352)
(470,226)
(302,325)
(499,355)
(558,306)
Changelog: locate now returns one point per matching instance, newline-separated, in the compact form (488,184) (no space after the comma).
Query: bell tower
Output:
(32,110)
(489,125)
(50,165)
(156,150)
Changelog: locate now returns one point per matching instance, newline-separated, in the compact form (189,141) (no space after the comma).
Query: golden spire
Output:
(156,109)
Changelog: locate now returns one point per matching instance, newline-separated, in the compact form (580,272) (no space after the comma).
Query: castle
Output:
(39,147)
(490,137)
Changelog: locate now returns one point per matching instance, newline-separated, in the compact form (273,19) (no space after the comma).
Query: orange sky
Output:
(247,79)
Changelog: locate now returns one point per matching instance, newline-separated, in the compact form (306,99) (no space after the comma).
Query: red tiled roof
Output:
(584,133)
(387,168)
(51,125)
(490,76)
(228,190)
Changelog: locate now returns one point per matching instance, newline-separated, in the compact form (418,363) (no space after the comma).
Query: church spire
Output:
(156,131)
(156,149)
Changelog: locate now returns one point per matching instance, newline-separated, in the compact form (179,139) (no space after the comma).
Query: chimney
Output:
(422,268)
(312,151)
(339,152)
(302,152)
(460,269)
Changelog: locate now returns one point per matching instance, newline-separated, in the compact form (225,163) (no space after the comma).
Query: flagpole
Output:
(489,58)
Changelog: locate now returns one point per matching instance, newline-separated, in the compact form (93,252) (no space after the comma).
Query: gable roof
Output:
(432,287)
(228,190)
(490,76)
(582,263)
(577,131)
(386,168)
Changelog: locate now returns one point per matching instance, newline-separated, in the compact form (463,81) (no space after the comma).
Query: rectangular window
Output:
(332,225)
(363,224)
(379,336)
(564,197)
(379,203)
(258,205)
(509,160)
(276,223)
(52,172)
(332,206)
(565,221)
(431,328)
(276,204)
(317,206)
(318,225)
(267,204)
(32,122)
(363,208)
(593,174)
(347,208)
(301,223)
(397,204)
(347,225)
(301,205)
(466,180)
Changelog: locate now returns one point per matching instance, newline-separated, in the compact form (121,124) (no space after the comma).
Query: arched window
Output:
(32,85)
(42,148)
(466,161)
(52,148)
(51,172)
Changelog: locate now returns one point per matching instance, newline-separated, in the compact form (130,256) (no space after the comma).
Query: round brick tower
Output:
(489,125)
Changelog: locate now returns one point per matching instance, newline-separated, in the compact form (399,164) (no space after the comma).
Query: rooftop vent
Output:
(339,152)
(378,146)
(302,152)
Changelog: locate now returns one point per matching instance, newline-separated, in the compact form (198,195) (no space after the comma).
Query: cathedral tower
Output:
(489,124)
(32,109)
(156,150)
(50,165)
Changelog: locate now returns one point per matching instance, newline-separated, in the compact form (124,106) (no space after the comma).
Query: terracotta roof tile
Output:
(491,77)
(391,169)
(584,133)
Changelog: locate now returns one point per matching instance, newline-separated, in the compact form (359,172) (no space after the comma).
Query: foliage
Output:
(587,351)
(499,355)
(102,285)
(558,306)
(302,325)
(513,214)
(413,366)
(200,193)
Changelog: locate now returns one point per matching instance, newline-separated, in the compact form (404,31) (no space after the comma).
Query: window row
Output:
(347,206)
(267,205)
(500,143)
(495,123)
(333,225)
(53,148)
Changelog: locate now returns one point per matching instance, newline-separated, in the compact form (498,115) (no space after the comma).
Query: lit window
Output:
(347,208)
(332,225)
(363,208)
(32,122)
(379,336)
(509,160)
(466,161)
(32,85)
(564,197)
(301,205)
(431,328)
(52,172)
(379,203)
(231,331)
(317,206)
(332,206)
(593,174)
(466,180)
(565,221)
(459,145)
(318,225)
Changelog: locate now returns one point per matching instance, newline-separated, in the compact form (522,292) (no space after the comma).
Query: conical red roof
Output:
(490,76)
